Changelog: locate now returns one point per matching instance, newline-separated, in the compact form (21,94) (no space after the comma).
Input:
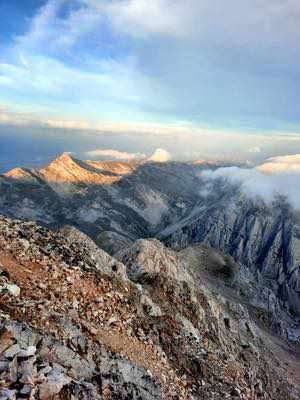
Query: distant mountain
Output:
(107,198)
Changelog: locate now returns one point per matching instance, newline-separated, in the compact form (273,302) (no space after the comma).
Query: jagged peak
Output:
(66,162)
(98,167)
(15,171)
(62,162)
(64,158)
(68,170)
(20,173)
(65,154)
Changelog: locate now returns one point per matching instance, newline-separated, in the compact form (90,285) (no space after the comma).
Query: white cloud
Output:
(57,32)
(205,21)
(160,155)
(115,154)
(279,176)
(60,124)
(282,164)
(142,17)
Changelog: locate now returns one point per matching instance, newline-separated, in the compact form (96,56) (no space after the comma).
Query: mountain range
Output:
(149,220)
(116,203)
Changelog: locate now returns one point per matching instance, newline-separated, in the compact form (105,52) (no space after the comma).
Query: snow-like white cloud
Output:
(282,164)
(115,154)
(279,176)
(160,155)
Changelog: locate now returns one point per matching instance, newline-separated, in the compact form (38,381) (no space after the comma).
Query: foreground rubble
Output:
(76,323)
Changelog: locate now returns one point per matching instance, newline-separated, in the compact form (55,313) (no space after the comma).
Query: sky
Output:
(196,78)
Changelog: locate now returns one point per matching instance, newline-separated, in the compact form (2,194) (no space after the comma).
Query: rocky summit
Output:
(145,280)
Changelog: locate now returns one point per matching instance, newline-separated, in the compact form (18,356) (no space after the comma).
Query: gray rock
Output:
(13,370)
(147,259)
(129,380)
(7,394)
(30,351)
(152,309)
(53,385)
(28,371)
(12,351)
(26,390)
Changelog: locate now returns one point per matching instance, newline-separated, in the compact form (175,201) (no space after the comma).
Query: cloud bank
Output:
(283,164)
(279,176)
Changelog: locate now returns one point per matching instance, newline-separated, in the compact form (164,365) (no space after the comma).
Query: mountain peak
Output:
(66,170)
(65,157)
(65,160)
(16,172)
(20,174)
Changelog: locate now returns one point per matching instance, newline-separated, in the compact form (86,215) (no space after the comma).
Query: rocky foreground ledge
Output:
(76,323)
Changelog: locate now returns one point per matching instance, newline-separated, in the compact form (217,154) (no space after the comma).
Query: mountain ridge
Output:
(174,203)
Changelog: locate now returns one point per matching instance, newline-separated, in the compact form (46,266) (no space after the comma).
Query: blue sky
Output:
(197,76)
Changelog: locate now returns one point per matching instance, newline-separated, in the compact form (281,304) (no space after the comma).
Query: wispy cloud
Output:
(61,24)
(33,77)
(115,154)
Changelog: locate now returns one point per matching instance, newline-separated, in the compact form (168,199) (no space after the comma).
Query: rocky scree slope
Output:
(151,323)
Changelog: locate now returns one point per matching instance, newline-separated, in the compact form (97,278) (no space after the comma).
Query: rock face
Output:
(265,238)
(100,258)
(147,259)
(178,328)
